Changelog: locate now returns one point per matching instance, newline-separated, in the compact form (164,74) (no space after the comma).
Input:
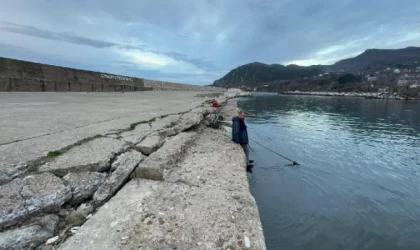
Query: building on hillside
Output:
(397,71)
(408,80)
(384,90)
(371,78)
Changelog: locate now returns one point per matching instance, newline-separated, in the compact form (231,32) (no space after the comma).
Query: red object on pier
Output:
(216,104)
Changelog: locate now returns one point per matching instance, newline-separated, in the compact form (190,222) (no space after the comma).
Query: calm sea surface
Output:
(358,182)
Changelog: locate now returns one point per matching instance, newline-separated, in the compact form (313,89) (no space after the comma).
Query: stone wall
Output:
(17,75)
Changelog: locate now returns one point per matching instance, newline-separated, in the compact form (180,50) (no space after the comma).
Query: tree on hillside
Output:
(349,78)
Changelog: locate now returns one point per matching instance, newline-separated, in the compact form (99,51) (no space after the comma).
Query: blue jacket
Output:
(239,132)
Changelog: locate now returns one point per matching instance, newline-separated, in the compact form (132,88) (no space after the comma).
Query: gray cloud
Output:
(204,39)
(203,63)
(58,36)
(71,38)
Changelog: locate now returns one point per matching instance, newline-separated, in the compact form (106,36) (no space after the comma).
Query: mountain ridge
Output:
(367,62)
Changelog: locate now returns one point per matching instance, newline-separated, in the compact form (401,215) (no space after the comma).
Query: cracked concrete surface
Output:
(32,124)
(165,158)
(201,201)
(204,203)
(94,155)
(31,236)
(33,194)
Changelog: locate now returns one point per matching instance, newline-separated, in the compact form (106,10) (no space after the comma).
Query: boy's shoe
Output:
(249,168)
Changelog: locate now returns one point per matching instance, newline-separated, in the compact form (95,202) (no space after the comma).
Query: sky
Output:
(199,41)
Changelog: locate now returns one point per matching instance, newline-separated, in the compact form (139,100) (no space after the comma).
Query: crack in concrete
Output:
(34,164)
(186,182)
(86,125)
(25,205)
(60,131)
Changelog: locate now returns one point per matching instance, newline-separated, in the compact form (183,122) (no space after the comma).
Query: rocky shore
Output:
(368,95)
(168,182)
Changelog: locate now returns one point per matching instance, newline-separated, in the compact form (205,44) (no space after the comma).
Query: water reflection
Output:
(358,185)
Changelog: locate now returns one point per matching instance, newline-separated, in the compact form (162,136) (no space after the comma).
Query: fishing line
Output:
(294,163)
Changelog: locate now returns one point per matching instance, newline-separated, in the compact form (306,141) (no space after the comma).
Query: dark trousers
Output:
(246,150)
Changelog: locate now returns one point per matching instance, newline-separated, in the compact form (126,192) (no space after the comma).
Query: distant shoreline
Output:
(367,95)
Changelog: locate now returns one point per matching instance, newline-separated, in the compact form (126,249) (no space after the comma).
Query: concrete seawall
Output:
(23,76)
(168,182)
(17,75)
(162,85)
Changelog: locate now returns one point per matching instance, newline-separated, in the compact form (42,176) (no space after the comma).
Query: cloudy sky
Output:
(198,41)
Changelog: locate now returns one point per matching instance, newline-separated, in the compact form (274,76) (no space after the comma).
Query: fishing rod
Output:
(294,163)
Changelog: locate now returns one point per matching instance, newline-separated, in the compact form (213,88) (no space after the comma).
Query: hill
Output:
(257,72)
(378,59)
(254,74)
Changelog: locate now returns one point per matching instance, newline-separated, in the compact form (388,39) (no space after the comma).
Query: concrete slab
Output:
(31,195)
(94,155)
(29,237)
(113,221)
(187,217)
(137,135)
(150,144)
(165,122)
(213,154)
(84,184)
(188,121)
(124,166)
(141,131)
(165,158)
(205,203)
(32,124)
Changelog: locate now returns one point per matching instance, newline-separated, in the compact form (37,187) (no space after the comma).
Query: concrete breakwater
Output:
(369,95)
(163,183)
(162,85)
(17,75)
(23,76)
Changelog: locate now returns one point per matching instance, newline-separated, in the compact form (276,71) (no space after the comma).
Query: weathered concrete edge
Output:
(204,111)
(254,202)
(126,238)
